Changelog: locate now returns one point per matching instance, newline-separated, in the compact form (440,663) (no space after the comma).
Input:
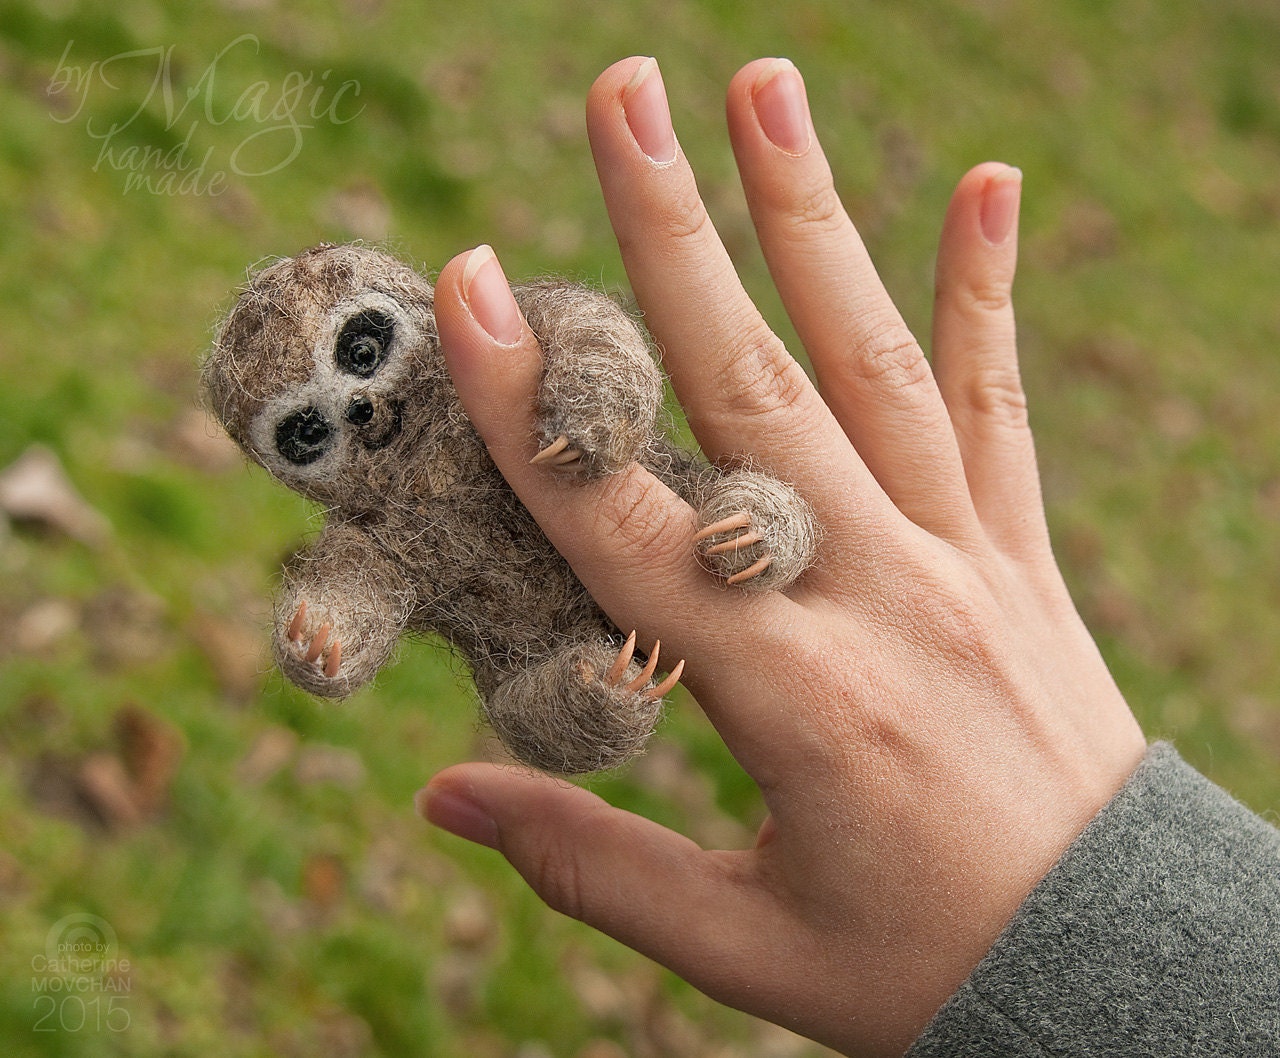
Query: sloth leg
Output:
(588,707)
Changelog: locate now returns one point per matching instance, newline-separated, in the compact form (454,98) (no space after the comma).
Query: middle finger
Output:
(741,390)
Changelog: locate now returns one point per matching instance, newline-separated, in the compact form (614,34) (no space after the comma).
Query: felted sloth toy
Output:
(328,373)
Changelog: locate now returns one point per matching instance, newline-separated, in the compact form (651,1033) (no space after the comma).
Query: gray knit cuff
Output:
(1156,934)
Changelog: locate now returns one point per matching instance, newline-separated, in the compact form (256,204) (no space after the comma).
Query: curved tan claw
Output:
(623,660)
(745,540)
(295,626)
(318,641)
(672,679)
(650,667)
(753,570)
(741,520)
(334,661)
(557,454)
(316,647)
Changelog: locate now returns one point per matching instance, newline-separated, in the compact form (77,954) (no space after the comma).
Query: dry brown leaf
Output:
(236,652)
(105,785)
(319,765)
(151,750)
(35,488)
(271,751)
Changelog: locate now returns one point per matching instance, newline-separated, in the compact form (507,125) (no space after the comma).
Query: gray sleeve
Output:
(1156,934)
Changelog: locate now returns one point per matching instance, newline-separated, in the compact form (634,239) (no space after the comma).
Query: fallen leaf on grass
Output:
(320,765)
(271,751)
(35,489)
(235,651)
(115,788)
(151,750)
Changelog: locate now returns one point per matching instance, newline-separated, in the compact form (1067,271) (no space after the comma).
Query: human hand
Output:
(927,718)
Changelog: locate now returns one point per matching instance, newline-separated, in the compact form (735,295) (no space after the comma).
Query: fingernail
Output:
(781,107)
(644,101)
(999,210)
(488,295)
(454,811)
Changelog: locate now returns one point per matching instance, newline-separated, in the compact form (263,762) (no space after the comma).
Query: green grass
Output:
(284,916)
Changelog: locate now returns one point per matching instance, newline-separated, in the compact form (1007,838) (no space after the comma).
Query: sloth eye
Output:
(303,436)
(362,343)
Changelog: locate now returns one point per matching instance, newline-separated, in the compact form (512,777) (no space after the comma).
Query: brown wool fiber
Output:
(327,372)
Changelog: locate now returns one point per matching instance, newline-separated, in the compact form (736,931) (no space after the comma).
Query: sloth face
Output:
(352,400)
(321,362)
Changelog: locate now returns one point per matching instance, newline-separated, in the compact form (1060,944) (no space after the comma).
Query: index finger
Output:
(627,536)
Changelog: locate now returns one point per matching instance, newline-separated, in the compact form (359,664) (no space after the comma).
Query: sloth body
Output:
(328,373)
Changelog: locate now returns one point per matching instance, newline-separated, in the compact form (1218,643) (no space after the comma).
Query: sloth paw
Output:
(588,707)
(755,532)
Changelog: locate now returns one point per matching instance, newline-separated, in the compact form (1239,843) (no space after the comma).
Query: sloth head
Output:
(327,368)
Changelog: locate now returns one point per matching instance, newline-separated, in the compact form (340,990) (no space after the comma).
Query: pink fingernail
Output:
(781,107)
(998,212)
(488,295)
(454,811)
(644,101)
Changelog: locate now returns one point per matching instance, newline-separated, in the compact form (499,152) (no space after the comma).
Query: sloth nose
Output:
(360,411)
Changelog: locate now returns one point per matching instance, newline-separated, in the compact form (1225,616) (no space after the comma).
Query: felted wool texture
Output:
(1156,934)
(561,717)
(370,603)
(779,514)
(600,387)
(327,371)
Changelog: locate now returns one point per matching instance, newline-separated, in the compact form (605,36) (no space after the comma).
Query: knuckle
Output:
(556,875)
(997,395)
(989,296)
(633,514)
(817,211)
(979,296)
(889,357)
(685,219)
(766,379)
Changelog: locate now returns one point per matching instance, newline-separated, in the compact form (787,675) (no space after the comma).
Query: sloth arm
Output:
(341,610)
(601,390)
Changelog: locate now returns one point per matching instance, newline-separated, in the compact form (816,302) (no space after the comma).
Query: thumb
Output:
(642,884)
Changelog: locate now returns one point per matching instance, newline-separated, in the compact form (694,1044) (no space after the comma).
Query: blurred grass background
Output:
(255,852)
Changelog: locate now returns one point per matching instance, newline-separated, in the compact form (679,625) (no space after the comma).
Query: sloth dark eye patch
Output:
(303,436)
(362,343)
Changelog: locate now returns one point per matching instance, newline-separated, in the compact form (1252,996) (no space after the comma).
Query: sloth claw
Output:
(753,570)
(650,667)
(295,626)
(672,679)
(613,678)
(744,535)
(311,653)
(735,543)
(614,675)
(741,520)
(334,661)
(558,454)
